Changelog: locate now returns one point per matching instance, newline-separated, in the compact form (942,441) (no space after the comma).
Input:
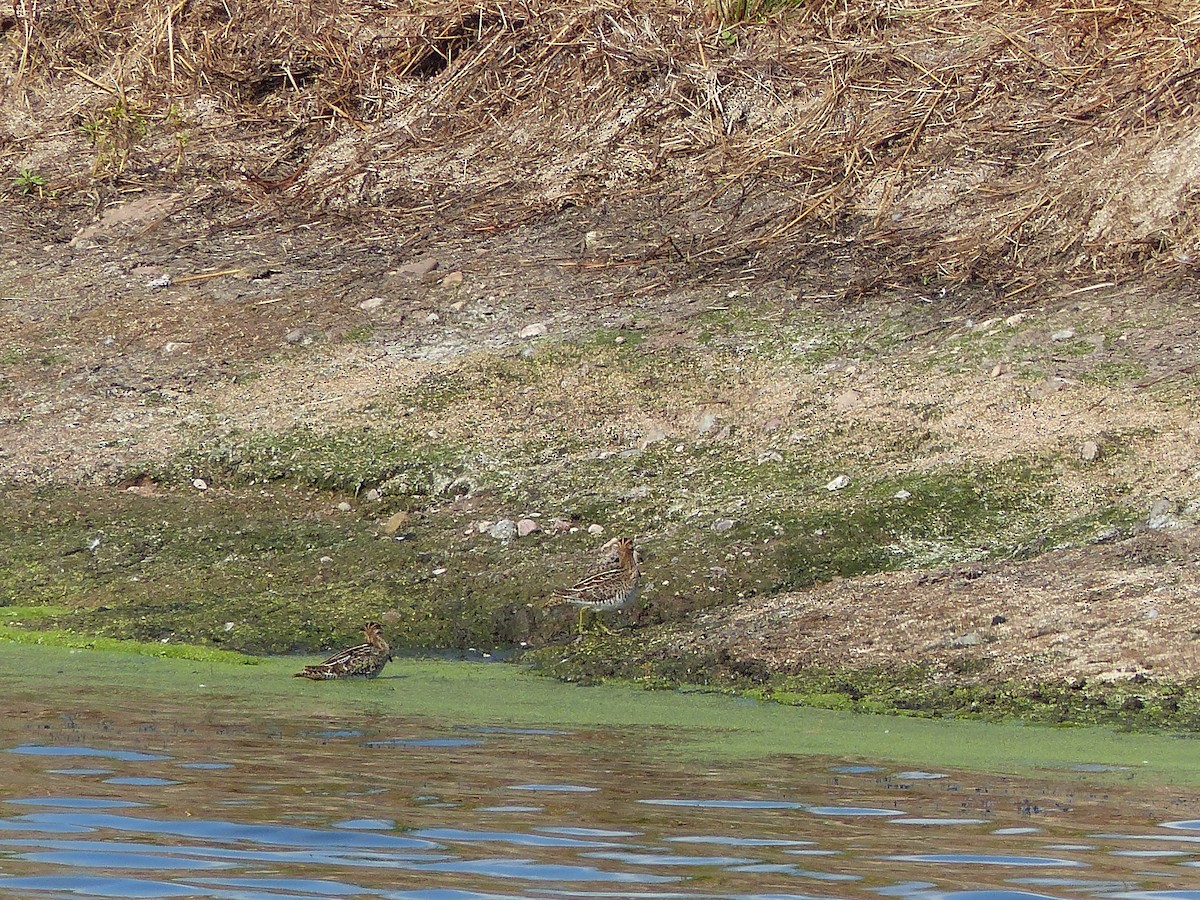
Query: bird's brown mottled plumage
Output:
(610,584)
(361,661)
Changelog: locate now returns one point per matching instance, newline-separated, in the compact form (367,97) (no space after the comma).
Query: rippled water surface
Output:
(125,802)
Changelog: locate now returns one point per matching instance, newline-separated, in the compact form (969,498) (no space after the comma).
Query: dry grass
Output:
(889,141)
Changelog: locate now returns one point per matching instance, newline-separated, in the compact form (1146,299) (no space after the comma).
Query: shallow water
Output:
(109,799)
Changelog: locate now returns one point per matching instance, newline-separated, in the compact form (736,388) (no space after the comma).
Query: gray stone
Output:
(1089,451)
(344,507)
(537,329)
(970,639)
(372,303)
(200,484)
(526,527)
(1162,515)
(596,529)
(1064,334)
(420,268)
(504,530)
(841,481)
(721,525)
(902,494)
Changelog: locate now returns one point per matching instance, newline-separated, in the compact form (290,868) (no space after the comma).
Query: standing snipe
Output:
(362,661)
(611,583)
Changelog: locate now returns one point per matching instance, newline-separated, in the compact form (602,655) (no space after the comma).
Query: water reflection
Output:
(297,810)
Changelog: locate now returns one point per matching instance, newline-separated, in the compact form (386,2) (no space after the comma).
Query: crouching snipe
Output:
(362,661)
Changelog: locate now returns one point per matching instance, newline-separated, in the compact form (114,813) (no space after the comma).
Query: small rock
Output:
(1014,320)
(452,279)
(537,329)
(595,529)
(371,303)
(901,494)
(161,281)
(325,560)
(373,494)
(706,424)
(200,484)
(998,620)
(526,527)
(560,525)
(718,572)
(997,370)
(344,507)
(721,525)
(1064,334)
(504,530)
(838,483)
(229,626)
(1162,515)
(1089,451)
(298,336)
(483,525)
(771,456)
(420,268)
(440,570)
(432,318)
(652,435)
(970,639)
(395,522)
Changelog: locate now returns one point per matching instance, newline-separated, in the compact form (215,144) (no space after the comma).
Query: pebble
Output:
(537,329)
(344,507)
(452,279)
(595,529)
(526,527)
(161,281)
(707,422)
(970,639)
(901,494)
(721,525)
(373,494)
(1089,451)
(1162,515)
(420,268)
(395,522)
(440,570)
(838,483)
(560,525)
(229,626)
(1064,334)
(371,303)
(771,456)
(325,560)
(504,530)
(200,484)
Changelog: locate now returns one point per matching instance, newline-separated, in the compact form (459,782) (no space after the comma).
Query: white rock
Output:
(537,329)
(595,529)
(373,495)
(901,494)
(721,525)
(1014,320)
(344,507)
(526,527)
(372,303)
(1089,451)
(325,560)
(441,570)
(838,483)
(771,456)
(229,626)
(200,484)
(1064,334)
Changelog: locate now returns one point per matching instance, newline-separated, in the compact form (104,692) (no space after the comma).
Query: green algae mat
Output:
(41,679)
